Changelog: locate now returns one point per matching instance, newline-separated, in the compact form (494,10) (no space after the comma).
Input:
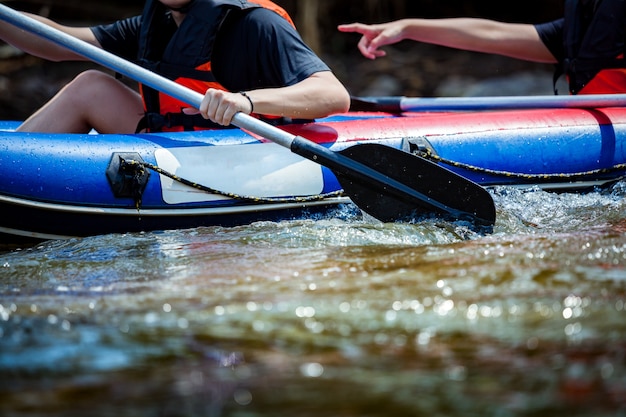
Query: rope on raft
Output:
(255,199)
(561,176)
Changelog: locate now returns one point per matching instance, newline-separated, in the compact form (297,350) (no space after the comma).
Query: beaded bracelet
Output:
(243,93)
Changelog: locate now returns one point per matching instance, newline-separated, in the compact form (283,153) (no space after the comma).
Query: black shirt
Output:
(551,34)
(257,49)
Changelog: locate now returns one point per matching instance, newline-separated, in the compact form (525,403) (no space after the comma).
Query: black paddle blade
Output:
(440,192)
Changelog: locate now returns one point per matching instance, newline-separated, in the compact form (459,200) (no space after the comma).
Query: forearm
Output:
(515,40)
(318,96)
(37,46)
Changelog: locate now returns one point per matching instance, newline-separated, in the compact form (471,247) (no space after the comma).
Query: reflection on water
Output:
(336,316)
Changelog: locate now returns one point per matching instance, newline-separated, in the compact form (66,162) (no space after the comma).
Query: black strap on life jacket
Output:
(176,52)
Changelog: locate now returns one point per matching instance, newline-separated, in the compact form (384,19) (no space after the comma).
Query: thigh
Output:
(92,100)
(109,105)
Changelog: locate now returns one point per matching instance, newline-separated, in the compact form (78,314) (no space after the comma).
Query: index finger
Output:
(353,27)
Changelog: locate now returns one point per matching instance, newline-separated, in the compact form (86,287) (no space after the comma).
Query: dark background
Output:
(411,69)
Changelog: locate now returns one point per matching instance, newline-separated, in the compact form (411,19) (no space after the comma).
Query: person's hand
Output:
(375,36)
(221,106)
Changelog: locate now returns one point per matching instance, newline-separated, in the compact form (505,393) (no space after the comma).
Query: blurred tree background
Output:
(410,69)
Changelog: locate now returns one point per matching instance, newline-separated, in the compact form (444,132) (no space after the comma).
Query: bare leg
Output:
(92,100)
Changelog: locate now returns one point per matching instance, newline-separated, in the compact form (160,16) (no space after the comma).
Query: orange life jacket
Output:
(185,58)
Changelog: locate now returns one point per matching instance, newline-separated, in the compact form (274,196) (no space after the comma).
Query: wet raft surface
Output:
(337,316)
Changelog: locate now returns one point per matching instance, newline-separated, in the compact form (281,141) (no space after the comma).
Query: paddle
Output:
(386,183)
(405,104)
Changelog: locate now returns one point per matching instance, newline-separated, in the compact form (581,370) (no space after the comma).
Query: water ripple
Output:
(528,318)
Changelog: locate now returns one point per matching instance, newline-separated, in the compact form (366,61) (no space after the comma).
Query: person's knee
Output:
(90,79)
(86,85)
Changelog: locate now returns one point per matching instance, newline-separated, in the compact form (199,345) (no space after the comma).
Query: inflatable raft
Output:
(65,185)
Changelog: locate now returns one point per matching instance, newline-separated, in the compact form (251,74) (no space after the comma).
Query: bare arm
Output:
(37,46)
(318,96)
(514,40)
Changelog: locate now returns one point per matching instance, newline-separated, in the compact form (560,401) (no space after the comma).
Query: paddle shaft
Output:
(407,104)
(297,144)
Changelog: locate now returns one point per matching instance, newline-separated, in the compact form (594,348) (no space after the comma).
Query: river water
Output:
(336,316)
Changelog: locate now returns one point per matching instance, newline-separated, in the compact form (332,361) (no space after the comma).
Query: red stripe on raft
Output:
(449,123)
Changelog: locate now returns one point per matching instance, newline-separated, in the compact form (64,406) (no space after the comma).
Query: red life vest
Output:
(185,57)
(608,81)
(594,40)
